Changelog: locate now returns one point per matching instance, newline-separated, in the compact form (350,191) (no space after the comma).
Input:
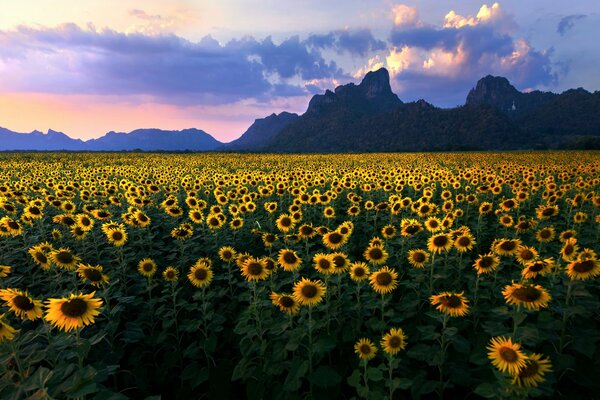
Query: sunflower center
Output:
(359,272)
(583,266)
(394,342)
(335,238)
(486,262)
(508,245)
(531,369)
(412,229)
(200,274)
(93,275)
(527,294)
(545,234)
(117,235)
(365,349)
(339,261)
(324,263)
(526,254)
(384,278)
(569,249)
(147,267)
(285,222)
(440,241)
(74,308)
(23,302)
(64,257)
(452,301)
(508,354)
(255,268)
(418,257)
(536,267)
(376,253)
(286,301)
(289,257)
(548,212)
(41,257)
(309,291)
(464,241)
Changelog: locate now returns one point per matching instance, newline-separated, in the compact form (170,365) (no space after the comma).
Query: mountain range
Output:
(370,117)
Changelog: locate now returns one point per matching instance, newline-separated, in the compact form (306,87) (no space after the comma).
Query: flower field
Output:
(370,276)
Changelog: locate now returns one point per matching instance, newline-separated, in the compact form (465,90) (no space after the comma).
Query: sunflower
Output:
(227,254)
(410,227)
(439,243)
(587,254)
(532,297)
(464,242)
(116,236)
(583,269)
(453,304)
(384,280)
(285,302)
(306,231)
(289,260)
(84,222)
(365,349)
(566,235)
(359,271)
(544,212)
(418,258)
(324,263)
(308,292)
(74,312)
(4,271)
(182,232)
(21,304)
(285,223)
(254,269)
(200,274)
(532,374)
(506,247)
(63,258)
(545,235)
(170,274)
(433,224)
(147,267)
(536,268)
(506,356)
(393,341)
(526,254)
(340,263)
(569,249)
(92,274)
(388,231)
(334,240)
(376,255)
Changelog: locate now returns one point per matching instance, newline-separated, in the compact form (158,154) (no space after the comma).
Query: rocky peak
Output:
(376,83)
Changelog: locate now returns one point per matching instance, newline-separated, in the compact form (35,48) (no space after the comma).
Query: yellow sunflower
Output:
(569,249)
(308,292)
(464,242)
(200,274)
(285,302)
(537,268)
(583,269)
(21,304)
(526,254)
(384,280)
(116,236)
(147,267)
(63,258)
(486,263)
(532,297)
(506,247)
(359,271)
(7,332)
(453,304)
(376,255)
(254,269)
(334,240)
(324,263)
(532,374)
(506,356)
(289,260)
(393,341)
(92,274)
(170,274)
(418,258)
(365,349)
(73,312)
(439,243)
(227,253)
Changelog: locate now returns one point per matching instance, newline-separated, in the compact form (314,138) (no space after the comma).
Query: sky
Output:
(89,67)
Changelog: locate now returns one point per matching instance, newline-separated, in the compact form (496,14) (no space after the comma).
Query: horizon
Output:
(84,70)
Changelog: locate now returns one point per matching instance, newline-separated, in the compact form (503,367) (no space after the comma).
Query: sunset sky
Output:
(88,67)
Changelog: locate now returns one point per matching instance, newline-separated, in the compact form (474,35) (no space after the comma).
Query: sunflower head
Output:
(285,302)
(200,275)
(170,274)
(384,280)
(453,304)
(393,341)
(147,267)
(506,356)
(74,312)
(309,292)
(365,349)
(359,271)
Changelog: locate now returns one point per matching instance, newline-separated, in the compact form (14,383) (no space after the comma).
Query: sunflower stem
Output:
(563,328)
(390,375)
(431,274)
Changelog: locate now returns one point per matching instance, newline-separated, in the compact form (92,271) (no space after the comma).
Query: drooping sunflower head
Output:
(92,274)
(309,292)
(393,341)
(365,349)
(418,258)
(74,312)
(453,304)
(21,304)
(530,296)
(384,280)
(359,271)
(147,267)
(506,356)
(285,302)
(569,249)
(532,374)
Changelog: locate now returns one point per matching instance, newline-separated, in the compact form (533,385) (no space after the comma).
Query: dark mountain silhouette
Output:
(261,132)
(155,139)
(370,117)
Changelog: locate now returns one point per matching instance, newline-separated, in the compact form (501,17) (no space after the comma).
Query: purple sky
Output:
(119,65)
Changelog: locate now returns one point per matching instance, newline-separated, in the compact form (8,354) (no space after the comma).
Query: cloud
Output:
(567,23)
(404,15)
(70,59)
(357,42)
(432,61)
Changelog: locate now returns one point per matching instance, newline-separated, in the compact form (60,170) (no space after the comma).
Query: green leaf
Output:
(402,383)
(374,374)
(325,376)
(486,390)
(298,370)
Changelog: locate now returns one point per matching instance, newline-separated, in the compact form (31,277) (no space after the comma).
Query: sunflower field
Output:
(379,276)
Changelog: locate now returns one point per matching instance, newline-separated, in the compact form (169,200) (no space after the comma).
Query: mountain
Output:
(155,139)
(261,132)
(36,140)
